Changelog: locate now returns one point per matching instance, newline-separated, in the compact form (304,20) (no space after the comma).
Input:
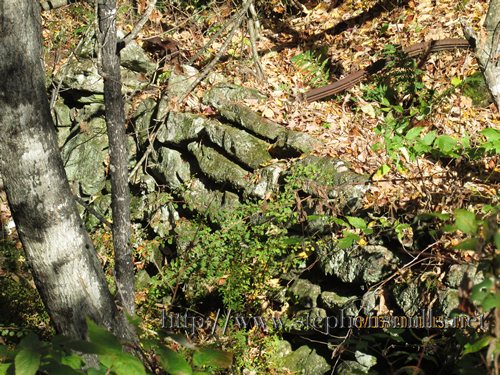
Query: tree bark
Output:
(58,249)
(115,123)
(488,49)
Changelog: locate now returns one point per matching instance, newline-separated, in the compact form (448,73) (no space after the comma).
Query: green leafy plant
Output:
(237,253)
(57,357)
(312,64)
(402,99)
(24,310)
(284,87)
(484,241)
(350,237)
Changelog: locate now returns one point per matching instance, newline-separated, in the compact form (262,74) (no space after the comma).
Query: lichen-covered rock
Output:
(163,219)
(217,167)
(368,302)
(223,92)
(142,120)
(169,168)
(243,147)
(456,274)
(61,115)
(102,204)
(407,296)
(178,83)
(310,321)
(87,112)
(335,303)
(88,47)
(356,264)
(265,180)
(335,179)
(304,293)
(448,301)
(82,75)
(305,361)
(142,279)
(286,141)
(134,58)
(351,368)
(366,360)
(214,203)
(283,348)
(84,156)
(62,121)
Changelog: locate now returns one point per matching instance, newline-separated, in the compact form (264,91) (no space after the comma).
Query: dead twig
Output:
(209,67)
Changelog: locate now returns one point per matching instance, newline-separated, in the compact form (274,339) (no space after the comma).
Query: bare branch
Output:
(236,16)
(209,67)
(253,42)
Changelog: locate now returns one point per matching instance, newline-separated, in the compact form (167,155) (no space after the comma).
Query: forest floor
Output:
(337,39)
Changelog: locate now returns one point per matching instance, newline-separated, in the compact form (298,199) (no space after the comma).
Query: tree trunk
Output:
(115,123)
(60,254)
(488,49)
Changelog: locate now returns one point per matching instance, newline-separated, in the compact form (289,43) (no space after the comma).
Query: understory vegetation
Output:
(432,155)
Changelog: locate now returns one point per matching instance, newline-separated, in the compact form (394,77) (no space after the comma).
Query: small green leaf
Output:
(345,242)
(31,341)
(212,357)
(127,364)
(384,169)
(384,28)
(491,301)
(369,110)
(429,138)
(135,321)
(468,244)
(491,134)
(61,340)
(74,361)
(314,217)
(398,108)
(445,143)
(449,228)
(57,369)
(477,346)
(107,360)
(480,291)
(496,237)
(348,240)
(414,133)
(356,222)
(339,221)
(27,362)
(456,81)
(3,350)
(292,241)
(466,221)
(103,338)
(172,362)
(102,371)
(4,368)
